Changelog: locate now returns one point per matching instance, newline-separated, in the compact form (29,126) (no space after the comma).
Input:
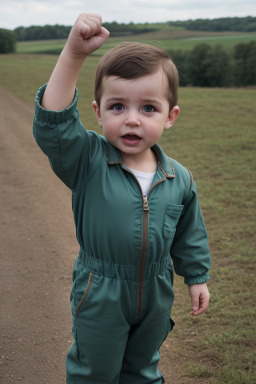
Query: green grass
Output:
(227,41)
(50,46)
(217,143)
(168,38)
(215,137)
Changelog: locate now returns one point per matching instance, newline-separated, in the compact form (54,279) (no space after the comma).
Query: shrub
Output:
(7,41)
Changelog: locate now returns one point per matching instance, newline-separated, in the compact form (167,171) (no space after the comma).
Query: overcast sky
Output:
(14,13)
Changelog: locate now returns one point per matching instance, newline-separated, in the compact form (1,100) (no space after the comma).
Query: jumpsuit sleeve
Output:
(190,249)
(73,152)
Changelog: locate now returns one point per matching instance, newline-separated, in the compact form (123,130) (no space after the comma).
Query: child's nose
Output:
(132,120)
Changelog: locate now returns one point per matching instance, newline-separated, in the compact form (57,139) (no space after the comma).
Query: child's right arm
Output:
(86,36)
(73,152)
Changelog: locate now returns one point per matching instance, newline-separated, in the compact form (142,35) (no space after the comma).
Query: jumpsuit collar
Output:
(165,166)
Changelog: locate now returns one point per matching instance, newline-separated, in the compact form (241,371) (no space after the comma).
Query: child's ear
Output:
(173,114)
(97,112)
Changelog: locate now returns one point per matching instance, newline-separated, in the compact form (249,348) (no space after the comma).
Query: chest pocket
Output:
(171,218)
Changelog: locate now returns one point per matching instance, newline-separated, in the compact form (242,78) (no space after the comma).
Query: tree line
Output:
(50,32)
(46,32)
(212,66)
(225,24)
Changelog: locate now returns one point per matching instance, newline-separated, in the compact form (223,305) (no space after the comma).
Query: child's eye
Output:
(148,108)
(117,107)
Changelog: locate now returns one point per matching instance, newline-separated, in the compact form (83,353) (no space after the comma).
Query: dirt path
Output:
(38,249)
(37,252)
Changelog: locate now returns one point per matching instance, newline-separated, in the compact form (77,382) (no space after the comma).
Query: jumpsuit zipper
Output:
(144,246)
(143,252)
(144,239)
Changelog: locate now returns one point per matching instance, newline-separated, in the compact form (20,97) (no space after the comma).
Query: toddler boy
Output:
(136,210)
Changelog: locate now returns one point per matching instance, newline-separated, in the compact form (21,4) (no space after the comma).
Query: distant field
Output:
(215,137)
(227,41)
(169,39)
(40,46)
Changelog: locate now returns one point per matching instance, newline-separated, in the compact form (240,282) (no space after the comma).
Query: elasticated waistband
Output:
(119,271)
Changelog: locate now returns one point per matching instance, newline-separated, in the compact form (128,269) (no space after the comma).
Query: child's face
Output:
(133,113)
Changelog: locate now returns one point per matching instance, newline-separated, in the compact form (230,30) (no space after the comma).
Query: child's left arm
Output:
(200,297)
(190,250)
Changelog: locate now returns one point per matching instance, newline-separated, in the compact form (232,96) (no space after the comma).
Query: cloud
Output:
(40,12)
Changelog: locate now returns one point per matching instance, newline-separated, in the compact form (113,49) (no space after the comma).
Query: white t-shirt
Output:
(145,179)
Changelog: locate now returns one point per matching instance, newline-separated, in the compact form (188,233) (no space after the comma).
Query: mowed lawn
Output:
(215,137)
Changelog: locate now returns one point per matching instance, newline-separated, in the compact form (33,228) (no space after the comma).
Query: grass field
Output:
(168,38)
(215,137)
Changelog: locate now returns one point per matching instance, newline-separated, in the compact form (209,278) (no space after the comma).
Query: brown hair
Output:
(133,60)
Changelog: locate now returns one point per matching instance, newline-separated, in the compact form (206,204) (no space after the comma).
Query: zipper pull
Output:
(145,203)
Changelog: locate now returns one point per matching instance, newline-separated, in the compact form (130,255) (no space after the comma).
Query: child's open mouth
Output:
(131,139)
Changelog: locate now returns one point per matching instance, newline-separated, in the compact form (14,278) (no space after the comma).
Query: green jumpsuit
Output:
(122,291)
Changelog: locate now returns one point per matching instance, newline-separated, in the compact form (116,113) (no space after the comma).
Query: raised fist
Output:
(86,36)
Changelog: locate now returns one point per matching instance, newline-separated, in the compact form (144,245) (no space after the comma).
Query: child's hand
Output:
(86,36)
(200,297)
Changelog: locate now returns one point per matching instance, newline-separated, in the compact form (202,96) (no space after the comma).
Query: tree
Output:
(7,41)
(179,57)
(197,63)
(245,64)
(208,66)
(218,67)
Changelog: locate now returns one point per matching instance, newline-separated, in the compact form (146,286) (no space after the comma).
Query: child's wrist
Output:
(72,57)
(71,62)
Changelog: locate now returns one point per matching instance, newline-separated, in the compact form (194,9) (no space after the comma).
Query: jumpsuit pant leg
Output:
(141,357)
(112,344)
(99,329)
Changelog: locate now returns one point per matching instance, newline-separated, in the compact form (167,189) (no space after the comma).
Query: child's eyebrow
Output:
(151,101)
(114,99)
